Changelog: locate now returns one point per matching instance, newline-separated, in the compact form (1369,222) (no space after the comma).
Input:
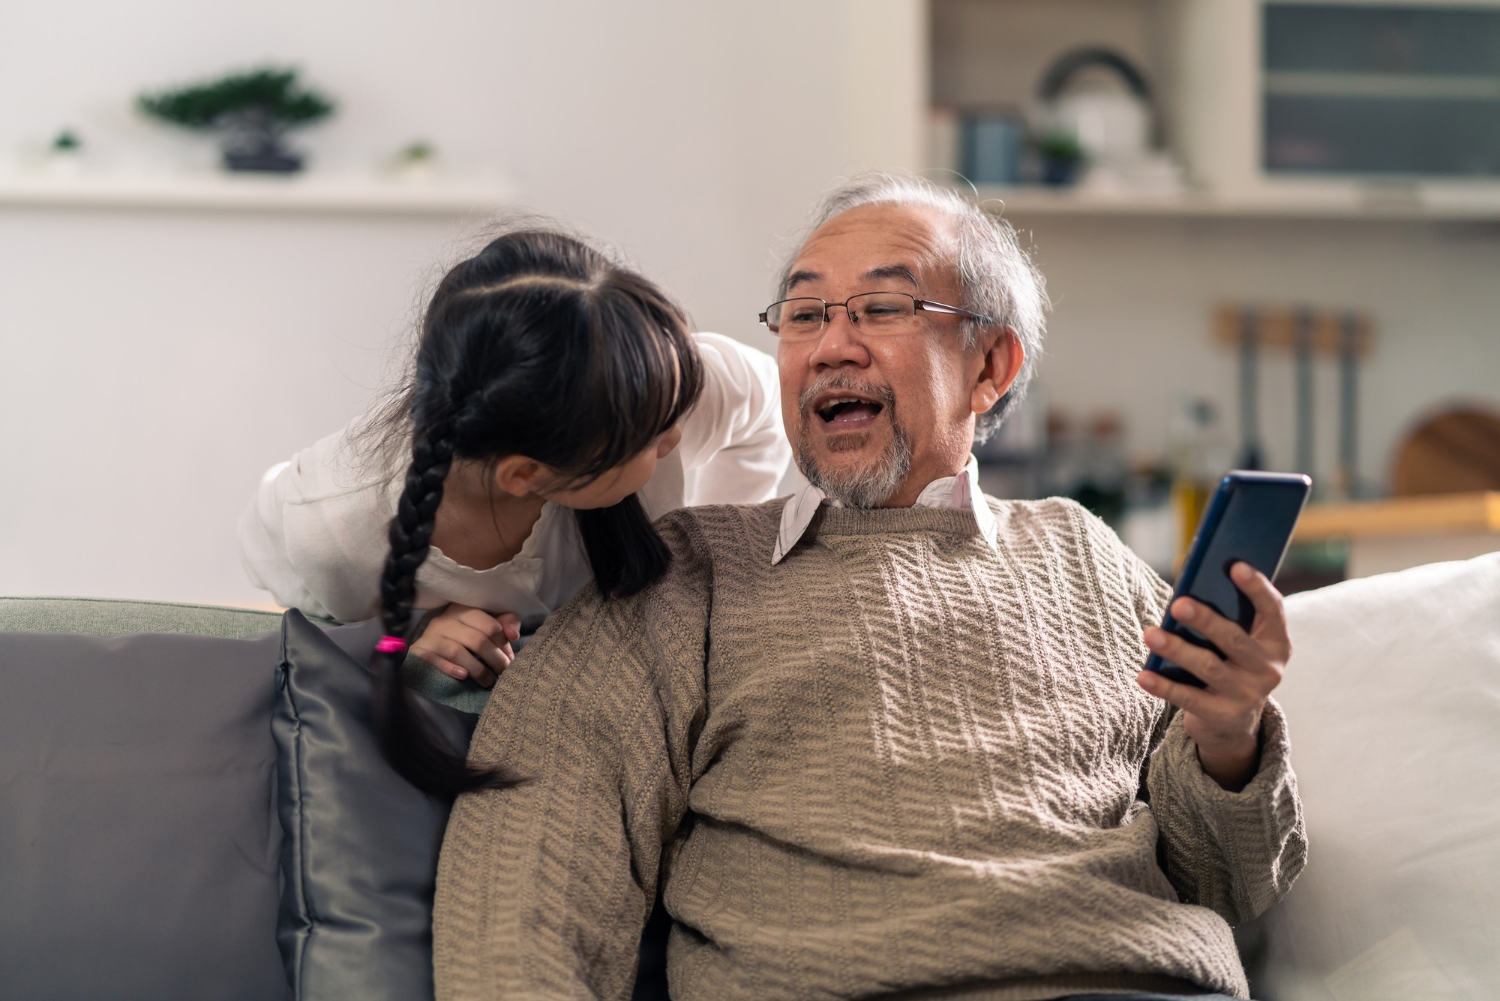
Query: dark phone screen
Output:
(1257,522)
(1251,520)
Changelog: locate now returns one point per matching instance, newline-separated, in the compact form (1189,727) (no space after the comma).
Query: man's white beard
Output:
(867,487)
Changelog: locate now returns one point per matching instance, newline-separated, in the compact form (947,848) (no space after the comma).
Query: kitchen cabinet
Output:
(1386,109)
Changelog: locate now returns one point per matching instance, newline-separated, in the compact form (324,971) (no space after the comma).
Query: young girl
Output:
(558,406)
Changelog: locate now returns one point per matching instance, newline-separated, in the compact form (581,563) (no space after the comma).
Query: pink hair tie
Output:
(391,644)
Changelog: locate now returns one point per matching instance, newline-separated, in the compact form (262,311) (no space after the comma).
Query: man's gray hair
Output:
(997,278)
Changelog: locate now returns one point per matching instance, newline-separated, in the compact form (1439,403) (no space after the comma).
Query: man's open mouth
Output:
(848,410)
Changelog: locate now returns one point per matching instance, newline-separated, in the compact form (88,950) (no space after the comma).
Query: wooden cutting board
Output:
(1457,451)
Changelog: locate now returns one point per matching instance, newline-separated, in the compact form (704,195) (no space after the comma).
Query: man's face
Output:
(914,393)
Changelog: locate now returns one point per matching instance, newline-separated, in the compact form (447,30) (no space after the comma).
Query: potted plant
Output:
(65,153)
(415,161)
(1062,155)
(251,112)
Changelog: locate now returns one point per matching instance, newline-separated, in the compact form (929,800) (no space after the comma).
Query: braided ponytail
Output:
(409,741)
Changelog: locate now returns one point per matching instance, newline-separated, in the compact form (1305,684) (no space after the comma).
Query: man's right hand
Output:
(465,642)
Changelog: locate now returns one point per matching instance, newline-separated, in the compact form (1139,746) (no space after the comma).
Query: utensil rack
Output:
(1306,332)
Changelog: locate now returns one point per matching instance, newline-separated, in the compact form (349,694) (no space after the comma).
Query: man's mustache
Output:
(878,392)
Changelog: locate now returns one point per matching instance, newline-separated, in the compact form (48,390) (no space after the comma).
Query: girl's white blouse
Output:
(315,532)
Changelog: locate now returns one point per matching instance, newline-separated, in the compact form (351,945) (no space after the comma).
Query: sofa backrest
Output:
(107,617)
(139,847)
(1392,697)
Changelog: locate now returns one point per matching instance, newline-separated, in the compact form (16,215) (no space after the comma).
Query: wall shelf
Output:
(313,192)
(1400,204)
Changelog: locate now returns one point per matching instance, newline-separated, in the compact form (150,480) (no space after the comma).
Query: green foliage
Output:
(1060,145)
(267,92)
(66,141)
(418,151)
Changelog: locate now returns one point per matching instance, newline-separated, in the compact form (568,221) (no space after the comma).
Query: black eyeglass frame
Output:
(918,305)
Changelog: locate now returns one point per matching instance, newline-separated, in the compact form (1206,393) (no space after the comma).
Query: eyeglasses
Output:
(872,312)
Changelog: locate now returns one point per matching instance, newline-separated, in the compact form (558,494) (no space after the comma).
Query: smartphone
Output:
(1250,518)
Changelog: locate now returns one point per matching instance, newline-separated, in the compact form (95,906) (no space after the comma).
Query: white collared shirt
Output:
(959,493)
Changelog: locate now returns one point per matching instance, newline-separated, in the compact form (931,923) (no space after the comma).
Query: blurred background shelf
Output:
(1389,535)
(1378,203)
(367,193)
(1472,512)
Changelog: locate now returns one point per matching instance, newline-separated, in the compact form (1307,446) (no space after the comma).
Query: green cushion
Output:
(107,617)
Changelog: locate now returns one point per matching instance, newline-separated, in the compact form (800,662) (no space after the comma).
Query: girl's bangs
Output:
(644,379)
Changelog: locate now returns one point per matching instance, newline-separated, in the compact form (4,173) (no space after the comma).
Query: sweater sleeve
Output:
(733,448)
(1236,853)
(544,887)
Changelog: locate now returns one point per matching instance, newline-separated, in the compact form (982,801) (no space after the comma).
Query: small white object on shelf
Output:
(313,191)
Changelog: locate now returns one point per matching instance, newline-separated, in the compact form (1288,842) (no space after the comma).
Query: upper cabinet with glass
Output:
(1340,102)
(1386,90)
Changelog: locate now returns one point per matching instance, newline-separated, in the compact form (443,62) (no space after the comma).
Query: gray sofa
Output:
(144,793)
(192,804)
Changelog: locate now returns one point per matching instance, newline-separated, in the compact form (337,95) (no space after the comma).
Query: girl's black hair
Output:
(540,346)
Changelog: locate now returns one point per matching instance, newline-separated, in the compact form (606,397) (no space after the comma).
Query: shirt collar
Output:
(959,492)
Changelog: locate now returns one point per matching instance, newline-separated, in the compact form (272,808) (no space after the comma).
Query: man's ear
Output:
(517,475)
(1001,362)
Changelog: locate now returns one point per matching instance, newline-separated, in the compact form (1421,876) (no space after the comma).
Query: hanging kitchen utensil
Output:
(1250,451)
(1346,477)
(1303,350)
(1307,333)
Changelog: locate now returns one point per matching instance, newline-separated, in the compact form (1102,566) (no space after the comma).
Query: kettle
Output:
(1115,128)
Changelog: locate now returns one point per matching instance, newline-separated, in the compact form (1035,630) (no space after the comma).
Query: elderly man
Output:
(888,737)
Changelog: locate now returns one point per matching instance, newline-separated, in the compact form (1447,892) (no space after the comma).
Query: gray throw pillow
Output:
(138,839)
(360,851)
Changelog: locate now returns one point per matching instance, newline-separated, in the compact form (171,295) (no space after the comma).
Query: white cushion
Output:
(1393,701)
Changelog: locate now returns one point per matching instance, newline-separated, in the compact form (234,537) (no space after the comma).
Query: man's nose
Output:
(840,342)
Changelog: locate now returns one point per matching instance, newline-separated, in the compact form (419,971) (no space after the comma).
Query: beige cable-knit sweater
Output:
(902,760)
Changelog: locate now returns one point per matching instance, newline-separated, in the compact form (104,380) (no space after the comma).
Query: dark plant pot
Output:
(272,161)
(1059,172)
(252,143)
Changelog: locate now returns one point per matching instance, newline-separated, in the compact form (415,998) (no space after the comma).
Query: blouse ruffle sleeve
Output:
(734,450)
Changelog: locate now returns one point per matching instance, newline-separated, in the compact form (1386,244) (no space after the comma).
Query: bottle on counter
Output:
(1198,455)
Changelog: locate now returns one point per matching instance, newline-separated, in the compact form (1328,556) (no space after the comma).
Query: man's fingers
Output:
(1237,645)
(1270,611)
(1184,697)
(1204,664)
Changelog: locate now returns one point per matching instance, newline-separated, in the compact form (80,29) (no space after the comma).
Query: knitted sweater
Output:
(904,760)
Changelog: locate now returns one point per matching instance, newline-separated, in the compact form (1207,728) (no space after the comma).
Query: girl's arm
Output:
(733,447)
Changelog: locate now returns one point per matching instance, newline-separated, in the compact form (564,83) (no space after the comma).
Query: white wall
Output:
(153,363)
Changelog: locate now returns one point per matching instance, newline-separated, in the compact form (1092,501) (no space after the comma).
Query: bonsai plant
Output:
(250,111)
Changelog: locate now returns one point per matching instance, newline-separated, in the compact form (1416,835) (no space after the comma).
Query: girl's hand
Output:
(465,642)
(1224,718)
